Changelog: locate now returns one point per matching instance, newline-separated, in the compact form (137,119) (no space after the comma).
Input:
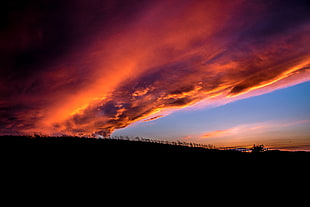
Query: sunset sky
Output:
(222,72)
(279,120)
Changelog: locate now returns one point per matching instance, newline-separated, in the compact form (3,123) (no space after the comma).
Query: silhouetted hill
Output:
(109,161)
(96,148)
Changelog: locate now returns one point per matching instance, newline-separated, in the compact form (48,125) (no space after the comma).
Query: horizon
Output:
(182,143)
(226,134)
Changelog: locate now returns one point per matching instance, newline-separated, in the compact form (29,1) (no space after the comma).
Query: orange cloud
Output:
(249,129)
(132,62)
(217,133)
(237,130)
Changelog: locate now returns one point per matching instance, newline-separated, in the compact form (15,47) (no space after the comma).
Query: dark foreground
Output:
(83,165)
(136,150)
(103,161)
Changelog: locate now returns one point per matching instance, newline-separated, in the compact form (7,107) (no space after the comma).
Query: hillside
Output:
(56,146)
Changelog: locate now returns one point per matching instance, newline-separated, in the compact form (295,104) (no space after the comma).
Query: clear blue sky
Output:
(280,119)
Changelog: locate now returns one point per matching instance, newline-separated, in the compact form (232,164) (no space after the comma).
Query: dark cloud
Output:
(96,66)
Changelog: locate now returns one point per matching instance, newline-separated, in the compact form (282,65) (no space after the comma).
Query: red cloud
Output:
(128,62)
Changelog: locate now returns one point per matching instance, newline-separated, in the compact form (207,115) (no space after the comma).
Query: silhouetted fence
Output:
(156,141)
(254,149)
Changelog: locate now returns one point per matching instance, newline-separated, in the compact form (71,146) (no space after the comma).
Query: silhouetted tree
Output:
(257,148)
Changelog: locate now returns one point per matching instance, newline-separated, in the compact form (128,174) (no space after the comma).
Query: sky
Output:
(279,120)
(228,72)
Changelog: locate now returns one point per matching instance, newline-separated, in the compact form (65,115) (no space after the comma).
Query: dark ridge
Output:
(136,148)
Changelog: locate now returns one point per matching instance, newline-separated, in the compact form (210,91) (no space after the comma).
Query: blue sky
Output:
(280,116)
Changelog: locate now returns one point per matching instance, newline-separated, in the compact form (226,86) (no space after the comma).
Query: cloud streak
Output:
(268,132)
(240,130)
(126,62)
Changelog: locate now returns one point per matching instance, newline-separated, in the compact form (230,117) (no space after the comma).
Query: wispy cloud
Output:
(250,129)
(237,130)
(152,118)
(217,133)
